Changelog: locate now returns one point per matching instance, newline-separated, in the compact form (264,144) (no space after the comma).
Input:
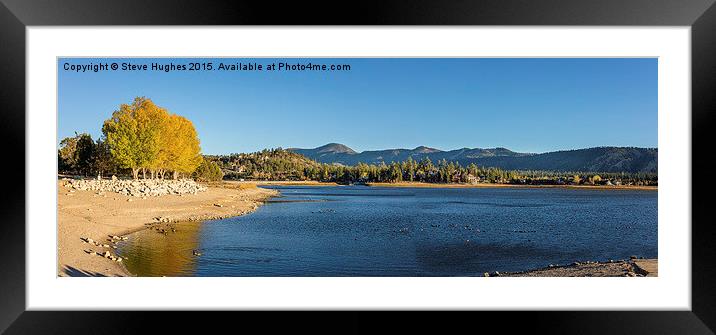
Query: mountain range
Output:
(598,159)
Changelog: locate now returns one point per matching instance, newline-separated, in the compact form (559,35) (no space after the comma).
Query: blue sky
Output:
(524,104)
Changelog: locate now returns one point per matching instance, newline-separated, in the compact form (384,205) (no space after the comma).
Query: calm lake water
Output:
(363,231)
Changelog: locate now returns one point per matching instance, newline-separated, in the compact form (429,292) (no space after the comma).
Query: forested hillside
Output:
(602,159)
(280,164)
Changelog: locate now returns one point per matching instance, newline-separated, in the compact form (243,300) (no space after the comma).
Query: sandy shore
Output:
(622,268)
(440,185)
(435,185)
(85,214)
(282,182)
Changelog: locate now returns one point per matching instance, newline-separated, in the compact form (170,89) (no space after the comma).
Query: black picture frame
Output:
(16,15)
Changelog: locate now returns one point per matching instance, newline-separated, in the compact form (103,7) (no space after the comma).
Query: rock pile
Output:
(138,188)
(113,239)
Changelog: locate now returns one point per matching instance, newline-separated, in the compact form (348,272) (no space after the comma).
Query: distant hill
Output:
(328,153)
(269,164)
(600,159)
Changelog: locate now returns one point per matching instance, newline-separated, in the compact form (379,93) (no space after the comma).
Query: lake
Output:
(370,231)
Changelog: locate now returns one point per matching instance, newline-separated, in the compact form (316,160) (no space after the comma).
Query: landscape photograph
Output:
(357,167)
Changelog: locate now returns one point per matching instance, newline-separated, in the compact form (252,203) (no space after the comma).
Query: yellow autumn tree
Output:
(132,135)
(159,165)
(181,152)
(151,121)
(142,136)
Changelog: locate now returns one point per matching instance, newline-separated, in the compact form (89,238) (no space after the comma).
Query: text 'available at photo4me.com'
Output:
(255,66)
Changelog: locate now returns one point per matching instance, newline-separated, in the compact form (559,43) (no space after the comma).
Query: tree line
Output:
(142,137)
(81,155)
(279,164)
(138,137)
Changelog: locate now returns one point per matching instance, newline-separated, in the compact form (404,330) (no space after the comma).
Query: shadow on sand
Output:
(74,272)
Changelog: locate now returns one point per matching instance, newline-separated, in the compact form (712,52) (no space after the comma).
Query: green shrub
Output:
(208,171)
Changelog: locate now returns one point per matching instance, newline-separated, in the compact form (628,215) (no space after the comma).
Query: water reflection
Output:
(421,232)
(152,252)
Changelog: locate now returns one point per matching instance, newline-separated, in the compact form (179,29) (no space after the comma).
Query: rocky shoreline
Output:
(136,188)
(633,267)
(112,241)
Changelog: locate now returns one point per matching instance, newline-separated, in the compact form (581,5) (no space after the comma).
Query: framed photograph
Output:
(488,157)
